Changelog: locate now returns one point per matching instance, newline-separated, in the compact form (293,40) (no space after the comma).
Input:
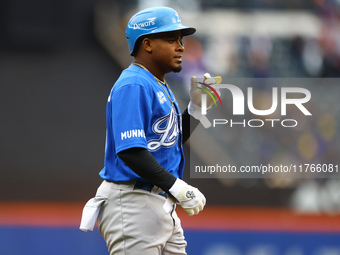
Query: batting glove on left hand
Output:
(190,198)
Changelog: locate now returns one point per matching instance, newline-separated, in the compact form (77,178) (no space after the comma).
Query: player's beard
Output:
(177,69)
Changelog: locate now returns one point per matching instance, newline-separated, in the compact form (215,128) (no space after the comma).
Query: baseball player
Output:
(142,175)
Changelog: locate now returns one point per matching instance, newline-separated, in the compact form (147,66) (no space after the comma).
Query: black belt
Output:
(145,185)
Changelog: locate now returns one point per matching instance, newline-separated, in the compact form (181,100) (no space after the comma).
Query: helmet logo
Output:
(178,19)
(149,22)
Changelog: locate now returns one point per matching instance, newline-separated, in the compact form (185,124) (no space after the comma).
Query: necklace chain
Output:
(161,83)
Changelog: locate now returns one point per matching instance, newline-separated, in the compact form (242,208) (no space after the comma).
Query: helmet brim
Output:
(175,27)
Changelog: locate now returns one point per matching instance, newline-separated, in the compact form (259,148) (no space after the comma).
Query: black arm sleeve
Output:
(143,163)
(188,125)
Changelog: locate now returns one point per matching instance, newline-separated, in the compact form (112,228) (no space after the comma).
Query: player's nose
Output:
(180,46)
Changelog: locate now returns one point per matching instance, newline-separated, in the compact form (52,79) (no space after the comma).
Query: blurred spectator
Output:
(259,52)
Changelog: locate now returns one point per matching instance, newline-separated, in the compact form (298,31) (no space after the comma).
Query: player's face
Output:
(167,51)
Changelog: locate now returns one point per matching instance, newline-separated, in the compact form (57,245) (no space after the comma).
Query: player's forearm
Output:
(188,125)
(143,163)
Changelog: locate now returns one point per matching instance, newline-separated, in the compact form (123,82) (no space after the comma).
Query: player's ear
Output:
(147,44)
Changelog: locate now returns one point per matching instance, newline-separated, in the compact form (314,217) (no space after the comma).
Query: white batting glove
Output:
(190,198)
(194,107)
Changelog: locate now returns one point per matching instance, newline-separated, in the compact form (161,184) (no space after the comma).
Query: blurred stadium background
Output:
(59,60)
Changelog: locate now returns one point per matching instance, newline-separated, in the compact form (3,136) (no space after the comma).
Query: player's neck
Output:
(154,70)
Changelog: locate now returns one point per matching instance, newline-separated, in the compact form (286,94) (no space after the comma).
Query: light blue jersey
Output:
(140,114)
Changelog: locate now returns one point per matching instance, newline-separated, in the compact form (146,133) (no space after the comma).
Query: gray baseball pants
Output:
(133,221)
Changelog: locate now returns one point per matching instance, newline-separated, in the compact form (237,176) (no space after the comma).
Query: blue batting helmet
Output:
(154,20)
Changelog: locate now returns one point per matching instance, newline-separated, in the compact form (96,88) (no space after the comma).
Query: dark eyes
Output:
(173,40)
